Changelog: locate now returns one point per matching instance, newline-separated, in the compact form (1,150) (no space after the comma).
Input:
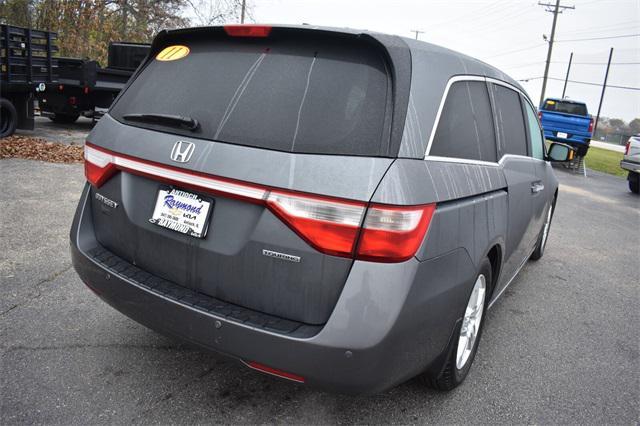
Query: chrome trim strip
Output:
(452,80)
(479,162)
(458,78)
(175,175)
(461,160)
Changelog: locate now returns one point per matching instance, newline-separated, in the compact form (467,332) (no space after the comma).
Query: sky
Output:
(505,33)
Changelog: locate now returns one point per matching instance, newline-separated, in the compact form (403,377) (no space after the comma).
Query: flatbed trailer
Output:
(27,63)
(85,88)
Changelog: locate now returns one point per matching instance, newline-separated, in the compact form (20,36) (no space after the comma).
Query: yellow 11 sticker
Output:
(173,53)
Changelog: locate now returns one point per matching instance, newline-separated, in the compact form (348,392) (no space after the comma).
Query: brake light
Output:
(99,166)
(590,125)
(393,234)
(329,226)
(540,115)
(627,147)
(339,227)
(247,30)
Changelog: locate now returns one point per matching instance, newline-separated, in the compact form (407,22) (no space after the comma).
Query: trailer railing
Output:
(27,56)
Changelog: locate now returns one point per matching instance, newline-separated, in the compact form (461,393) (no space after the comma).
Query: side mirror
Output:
(560,152)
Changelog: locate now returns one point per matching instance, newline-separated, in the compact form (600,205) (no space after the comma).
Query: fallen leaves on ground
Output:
(39,149)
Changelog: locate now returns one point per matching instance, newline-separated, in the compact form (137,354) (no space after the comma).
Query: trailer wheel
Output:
(61,118)
(8,118)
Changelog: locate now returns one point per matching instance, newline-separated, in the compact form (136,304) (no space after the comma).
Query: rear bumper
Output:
(580,137)
(391,322)
(630,166)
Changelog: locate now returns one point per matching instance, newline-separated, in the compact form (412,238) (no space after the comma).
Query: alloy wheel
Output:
(545,231)
(471,323)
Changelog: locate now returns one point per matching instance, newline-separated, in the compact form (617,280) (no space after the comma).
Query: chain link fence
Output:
(614,138)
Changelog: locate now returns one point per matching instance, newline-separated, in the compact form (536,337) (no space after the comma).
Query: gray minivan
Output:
(333,207)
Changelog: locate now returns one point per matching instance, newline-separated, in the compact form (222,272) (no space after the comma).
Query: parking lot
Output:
(562,346)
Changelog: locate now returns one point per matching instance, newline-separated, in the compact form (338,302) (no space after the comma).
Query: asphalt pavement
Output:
(68,133)
(561,346)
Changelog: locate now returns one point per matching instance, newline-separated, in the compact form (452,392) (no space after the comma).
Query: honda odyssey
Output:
(334,207)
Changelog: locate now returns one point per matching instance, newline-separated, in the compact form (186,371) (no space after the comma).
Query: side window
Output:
(535,134)
(466,129)
(510,121)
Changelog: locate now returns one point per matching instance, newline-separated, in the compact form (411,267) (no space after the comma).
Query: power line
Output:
(517,50)
(597,63)
(588,83)
(633,24)
(598,38)
(524,65)
(565,62)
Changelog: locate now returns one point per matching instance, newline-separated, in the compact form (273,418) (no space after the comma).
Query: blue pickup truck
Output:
(567,122)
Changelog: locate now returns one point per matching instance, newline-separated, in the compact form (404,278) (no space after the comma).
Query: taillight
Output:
(590,125)
(335,226)
(627,147)
(329,226)
(98,166)
(247,30)
(393,234)
(540,115)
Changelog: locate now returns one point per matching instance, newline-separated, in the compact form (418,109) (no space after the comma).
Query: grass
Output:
(604,160)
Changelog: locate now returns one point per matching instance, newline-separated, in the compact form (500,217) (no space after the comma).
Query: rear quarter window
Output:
(465,129)
(309,95)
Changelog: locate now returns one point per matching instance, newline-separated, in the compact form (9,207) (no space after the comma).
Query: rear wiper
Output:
(164,119)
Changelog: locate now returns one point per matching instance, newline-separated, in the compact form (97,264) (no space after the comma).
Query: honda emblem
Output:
(182,151)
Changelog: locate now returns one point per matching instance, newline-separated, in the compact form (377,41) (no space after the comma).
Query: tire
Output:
(458,360)
(8,118)
(544,234)
(634,182)
(62,118)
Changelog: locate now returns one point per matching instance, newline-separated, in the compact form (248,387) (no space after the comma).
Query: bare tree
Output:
(216,12)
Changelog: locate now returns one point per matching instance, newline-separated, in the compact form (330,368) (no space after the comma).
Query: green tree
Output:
(617,124)
(634,126)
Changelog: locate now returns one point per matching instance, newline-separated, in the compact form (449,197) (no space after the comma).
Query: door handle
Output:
(536,187)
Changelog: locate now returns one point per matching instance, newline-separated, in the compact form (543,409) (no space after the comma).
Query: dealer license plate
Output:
(182,211)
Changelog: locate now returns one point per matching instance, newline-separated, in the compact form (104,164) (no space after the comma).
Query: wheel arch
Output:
(495,254)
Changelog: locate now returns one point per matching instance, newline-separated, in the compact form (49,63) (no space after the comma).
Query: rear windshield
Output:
(565,107)
(305,95)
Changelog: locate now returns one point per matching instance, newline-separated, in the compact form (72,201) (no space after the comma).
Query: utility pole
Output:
(557,9)
(244,5)
(566,79)
(417,32)
(604,86)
